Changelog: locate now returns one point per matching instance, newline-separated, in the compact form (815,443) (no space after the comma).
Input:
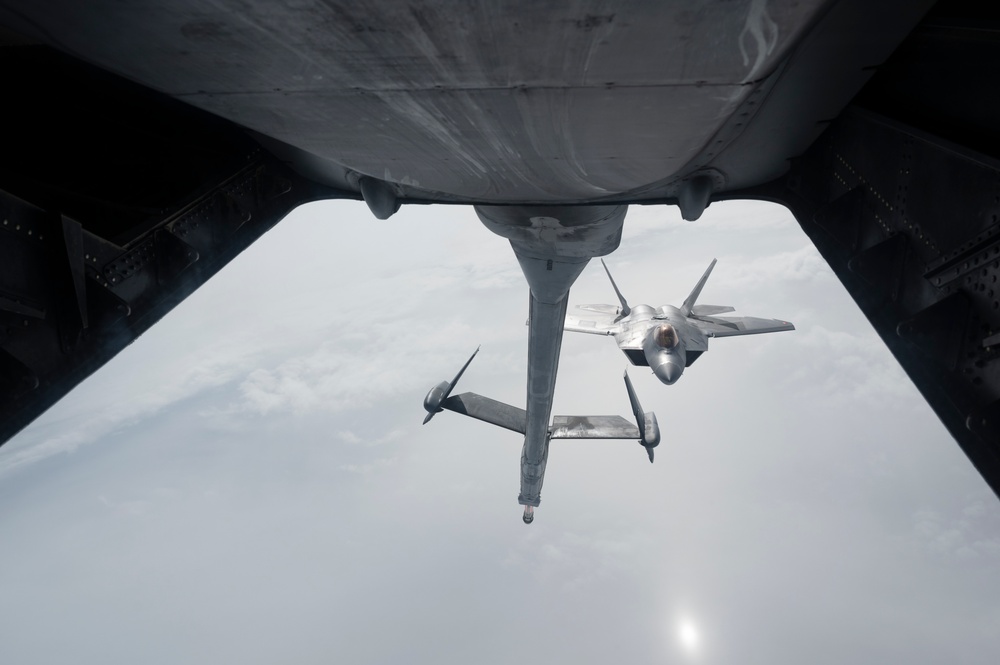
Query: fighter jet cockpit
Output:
(666,336)
(665,353)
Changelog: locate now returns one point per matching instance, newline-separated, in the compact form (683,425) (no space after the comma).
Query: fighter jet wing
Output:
(730,326)
(593,319)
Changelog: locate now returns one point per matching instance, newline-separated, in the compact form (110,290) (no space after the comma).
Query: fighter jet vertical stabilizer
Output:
(626,310)
(696,291)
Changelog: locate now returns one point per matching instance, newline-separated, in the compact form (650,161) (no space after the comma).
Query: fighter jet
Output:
(667,339)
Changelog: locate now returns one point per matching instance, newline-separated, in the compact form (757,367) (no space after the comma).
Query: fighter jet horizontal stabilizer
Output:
(709,310)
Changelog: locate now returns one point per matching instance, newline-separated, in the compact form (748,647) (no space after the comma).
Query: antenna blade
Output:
(693,298)
(626,310)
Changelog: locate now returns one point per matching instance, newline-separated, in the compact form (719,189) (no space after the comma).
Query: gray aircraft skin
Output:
(667,339)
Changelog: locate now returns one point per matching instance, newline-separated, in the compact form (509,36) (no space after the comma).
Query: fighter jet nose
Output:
(668,372)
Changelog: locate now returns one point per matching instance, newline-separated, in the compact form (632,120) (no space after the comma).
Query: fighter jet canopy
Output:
(665,336)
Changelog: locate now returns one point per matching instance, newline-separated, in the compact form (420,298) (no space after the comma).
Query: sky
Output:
(250,480)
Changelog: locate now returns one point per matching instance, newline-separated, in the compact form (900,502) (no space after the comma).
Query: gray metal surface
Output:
(488,410)
(516,102)
(910,223)
(593,427)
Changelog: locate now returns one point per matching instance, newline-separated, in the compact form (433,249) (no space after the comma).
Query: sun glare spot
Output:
(688,635)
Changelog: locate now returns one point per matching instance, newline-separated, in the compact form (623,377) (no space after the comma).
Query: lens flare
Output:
(687,632)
